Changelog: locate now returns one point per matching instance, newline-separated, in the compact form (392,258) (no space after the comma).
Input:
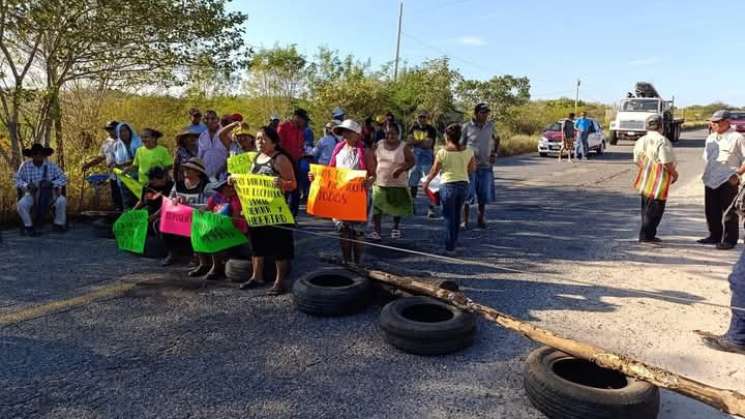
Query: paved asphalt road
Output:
(172,351)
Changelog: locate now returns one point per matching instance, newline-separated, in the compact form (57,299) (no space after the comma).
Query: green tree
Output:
(278,76)
(501,93)
(47,44)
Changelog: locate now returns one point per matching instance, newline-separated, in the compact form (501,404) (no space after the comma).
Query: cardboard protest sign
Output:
(175,218)
(338,193)
(212,232)
(130,231)
(241,164)
(263,203)
(128,181)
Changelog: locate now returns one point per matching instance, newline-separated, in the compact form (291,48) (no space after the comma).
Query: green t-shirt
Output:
(146,159)
(454,164)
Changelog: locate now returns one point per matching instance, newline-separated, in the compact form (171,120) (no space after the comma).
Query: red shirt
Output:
(292,139)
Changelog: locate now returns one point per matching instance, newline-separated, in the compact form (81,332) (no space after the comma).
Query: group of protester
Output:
(724,154)
(196,174)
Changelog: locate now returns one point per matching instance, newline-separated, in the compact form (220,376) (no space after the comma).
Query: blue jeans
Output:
(581,146)
(452,196)
(481,186)
(736,332)
(424,161)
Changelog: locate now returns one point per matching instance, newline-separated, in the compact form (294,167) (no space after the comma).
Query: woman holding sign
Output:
(391,194)
(350,154)
(270,241)
(454,163)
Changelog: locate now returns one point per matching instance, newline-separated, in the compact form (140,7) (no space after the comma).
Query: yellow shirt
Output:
(454,164)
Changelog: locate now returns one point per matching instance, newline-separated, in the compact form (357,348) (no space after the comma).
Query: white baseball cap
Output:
(348,124)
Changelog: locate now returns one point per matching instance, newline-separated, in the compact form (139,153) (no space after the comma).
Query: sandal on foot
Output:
(198,271)
(213,276)
(251,283)
(275,290)
(374,236)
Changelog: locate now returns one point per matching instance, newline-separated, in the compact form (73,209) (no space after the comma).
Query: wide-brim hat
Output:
(37,149)
(195,163)
(348,125)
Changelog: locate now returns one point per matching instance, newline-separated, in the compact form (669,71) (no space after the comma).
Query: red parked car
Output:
(737,119)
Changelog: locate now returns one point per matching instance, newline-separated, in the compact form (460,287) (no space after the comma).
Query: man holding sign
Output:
(264,207)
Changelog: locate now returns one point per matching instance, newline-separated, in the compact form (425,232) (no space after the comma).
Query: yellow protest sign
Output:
(129,182)
(263,203)
(241,164)
(338,193)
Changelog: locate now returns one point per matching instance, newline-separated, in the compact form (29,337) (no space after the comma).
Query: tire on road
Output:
(103,228)
(601,148)
(331,292)
(239,270)
(613,138)
(543,154)
(563,387)
(424,326)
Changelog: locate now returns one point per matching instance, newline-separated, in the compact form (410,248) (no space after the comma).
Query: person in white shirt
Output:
(724,154)
(40,183)
(106,155)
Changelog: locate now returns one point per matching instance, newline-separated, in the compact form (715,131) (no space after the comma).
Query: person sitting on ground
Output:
(391,195)
(272,241)
(151,155)
(244,141)
(350,154)
(454,163)
(159,185)
(40,184)
(186,148)
(322,151)
(192,191)
(224,201)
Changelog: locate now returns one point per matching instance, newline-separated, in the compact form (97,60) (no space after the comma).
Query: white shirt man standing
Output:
(724,154)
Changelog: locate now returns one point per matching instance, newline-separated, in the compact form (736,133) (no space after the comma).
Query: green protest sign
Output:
(129,182)
(241,164)
(263,203)
(130,231)
(211,233)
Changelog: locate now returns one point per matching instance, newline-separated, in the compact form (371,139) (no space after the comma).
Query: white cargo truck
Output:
(633,111)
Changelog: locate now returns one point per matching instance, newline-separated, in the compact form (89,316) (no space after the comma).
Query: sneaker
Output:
(431,213)
(720,343)
(395,234)
(708,240)
(725,246)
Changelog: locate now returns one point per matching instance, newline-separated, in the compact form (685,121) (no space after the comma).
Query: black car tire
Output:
(543,154)
(424,326)
(331,292)
(613,140)
(240,270)
(564,387)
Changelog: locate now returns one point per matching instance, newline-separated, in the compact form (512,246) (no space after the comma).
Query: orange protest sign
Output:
(338,193)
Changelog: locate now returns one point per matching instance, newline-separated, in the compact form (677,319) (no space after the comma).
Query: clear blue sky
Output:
(686,48)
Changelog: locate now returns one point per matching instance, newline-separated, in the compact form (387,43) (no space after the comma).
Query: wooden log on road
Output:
(729,401)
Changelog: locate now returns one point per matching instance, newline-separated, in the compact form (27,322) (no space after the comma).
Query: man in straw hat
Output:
(40,184)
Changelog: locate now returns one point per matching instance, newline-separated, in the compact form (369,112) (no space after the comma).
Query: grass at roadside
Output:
(518,144)
(694,125)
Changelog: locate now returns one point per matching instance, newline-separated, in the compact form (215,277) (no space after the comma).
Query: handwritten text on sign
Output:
(338,193)
(175,218)
(263,203)
(241,164)
(130,230)
(212,233)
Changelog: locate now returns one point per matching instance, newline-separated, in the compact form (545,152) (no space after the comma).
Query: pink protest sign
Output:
(175,218)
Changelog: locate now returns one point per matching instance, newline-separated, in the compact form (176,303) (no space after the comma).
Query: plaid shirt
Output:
(30,173)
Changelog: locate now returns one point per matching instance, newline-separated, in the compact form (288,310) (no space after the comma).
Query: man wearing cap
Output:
(653,147)
(724,153)
(212,149)
(106,154)
(322,151)
(196,126)
(40,182)
(338,115)
(421,139)
(292,140)
(480,136)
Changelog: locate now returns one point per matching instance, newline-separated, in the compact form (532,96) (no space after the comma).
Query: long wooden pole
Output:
(729,401)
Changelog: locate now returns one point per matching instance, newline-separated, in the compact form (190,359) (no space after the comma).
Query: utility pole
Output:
(398,40)
(576,97)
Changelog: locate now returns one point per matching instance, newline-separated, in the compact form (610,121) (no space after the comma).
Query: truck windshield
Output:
(640,105)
